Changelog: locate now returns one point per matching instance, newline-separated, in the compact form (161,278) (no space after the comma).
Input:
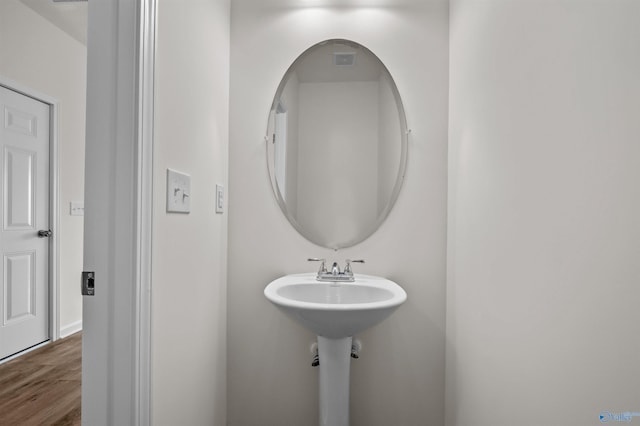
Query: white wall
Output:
(399,379)
(189,250)
(38,55)
(544,236)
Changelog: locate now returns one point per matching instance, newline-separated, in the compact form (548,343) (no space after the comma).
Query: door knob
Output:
(44,233)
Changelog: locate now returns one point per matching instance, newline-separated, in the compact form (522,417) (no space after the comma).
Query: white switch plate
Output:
(219,198)
(178,192)
(76,208)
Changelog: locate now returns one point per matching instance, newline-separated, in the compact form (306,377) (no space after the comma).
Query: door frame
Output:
(116,353)
(54,217)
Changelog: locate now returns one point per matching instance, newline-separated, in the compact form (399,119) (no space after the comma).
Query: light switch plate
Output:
(76,208)
(219,198)
(178,192)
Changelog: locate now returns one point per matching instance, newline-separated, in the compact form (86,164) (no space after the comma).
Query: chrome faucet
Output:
(335,269)
(335,275)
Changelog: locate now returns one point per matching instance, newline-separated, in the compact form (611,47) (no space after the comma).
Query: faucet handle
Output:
(347,268)
(323,268)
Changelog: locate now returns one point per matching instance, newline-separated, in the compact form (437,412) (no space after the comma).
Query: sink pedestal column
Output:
(335,361)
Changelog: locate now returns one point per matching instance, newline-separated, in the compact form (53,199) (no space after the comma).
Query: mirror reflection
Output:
(336,143)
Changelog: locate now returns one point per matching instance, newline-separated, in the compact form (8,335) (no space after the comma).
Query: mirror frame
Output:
(404,146)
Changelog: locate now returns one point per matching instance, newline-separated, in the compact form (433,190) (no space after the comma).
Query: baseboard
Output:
(74,327)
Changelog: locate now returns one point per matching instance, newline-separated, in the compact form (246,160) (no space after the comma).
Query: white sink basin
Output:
(335,310)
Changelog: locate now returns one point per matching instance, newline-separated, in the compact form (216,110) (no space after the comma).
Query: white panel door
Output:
(24,267)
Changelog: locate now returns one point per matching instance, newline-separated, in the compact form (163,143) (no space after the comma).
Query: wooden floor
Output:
(42,387)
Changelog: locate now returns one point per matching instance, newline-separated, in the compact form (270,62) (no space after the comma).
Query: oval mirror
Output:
(336,143)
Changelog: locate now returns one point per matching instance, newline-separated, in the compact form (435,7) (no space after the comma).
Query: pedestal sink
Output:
(335,311)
